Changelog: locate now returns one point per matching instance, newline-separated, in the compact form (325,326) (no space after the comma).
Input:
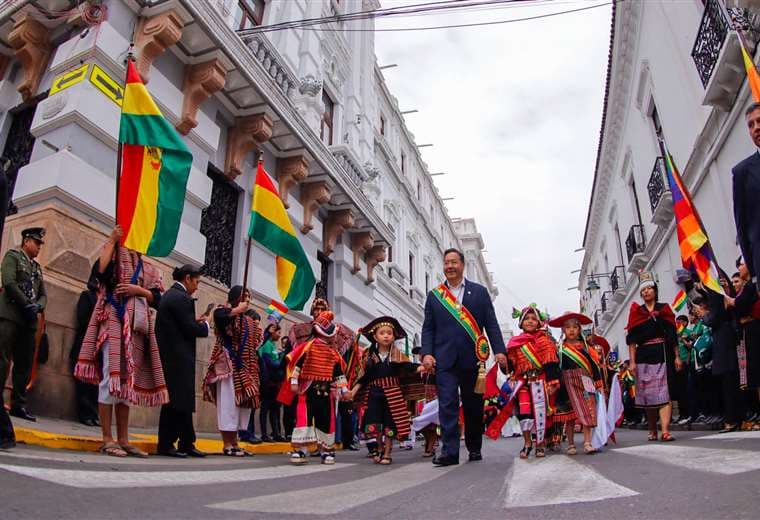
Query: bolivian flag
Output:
(271,227)
(155,165)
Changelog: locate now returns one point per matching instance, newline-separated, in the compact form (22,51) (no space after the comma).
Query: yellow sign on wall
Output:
(107,85)
(68,79)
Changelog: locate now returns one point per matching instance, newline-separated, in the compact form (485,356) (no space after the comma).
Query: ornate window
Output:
(326,127)
(248,14)
(218,224)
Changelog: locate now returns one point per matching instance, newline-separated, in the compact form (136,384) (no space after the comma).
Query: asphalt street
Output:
(700,476)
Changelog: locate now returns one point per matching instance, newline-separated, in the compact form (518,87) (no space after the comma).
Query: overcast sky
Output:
(513,112)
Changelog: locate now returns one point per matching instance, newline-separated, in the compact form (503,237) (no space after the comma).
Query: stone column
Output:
(201,81)
(247,133)
(31,42)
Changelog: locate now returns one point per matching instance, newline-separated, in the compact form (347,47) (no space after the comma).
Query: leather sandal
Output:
(653,436)
(134,451)
(385,461)
(112,450)
(540,452)
(588,449)
(525,452)
(572,450)
(667,437)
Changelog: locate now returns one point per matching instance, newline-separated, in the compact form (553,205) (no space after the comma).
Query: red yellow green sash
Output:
(465,319)
(577,357)
(531,355)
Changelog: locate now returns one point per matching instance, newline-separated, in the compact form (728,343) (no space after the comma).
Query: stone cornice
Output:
(624,43)
(207,16)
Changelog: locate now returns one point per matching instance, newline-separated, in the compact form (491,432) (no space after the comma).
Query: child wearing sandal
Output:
(232,376)
(581,380)
(386,417)
(532,356)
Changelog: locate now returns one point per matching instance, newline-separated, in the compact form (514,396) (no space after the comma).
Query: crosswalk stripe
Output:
(557,480)
(334,499)
(732,436)
(711,460)
(132,479)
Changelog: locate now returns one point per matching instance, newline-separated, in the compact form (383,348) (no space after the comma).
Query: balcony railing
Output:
(635,243)
(657,184)
(605,302)
(617,278)
(272,62)
(712,32)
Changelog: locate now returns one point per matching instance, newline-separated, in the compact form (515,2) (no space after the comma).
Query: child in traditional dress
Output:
(313,367)
(532,356)
(386,416)
(581,378)
(232,376)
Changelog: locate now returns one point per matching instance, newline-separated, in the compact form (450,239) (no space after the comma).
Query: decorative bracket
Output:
(291,171)
(337,223)
(242,138)
(31,41)
(201,81)
(374,256)
(153,36)
(313,196)
(361,243)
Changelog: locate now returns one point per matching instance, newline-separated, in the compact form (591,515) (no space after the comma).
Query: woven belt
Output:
(655,341)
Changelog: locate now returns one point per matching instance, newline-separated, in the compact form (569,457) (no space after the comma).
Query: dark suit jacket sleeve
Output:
(186,319)
(491,327)
(740,216)
(428,328)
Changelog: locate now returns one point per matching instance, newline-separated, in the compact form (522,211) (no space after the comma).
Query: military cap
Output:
(35,233)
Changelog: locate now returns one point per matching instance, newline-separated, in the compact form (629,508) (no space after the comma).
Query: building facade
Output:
(314,103)
(675,76)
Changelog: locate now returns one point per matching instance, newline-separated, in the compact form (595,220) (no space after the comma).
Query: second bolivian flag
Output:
(271,227)
(155,166)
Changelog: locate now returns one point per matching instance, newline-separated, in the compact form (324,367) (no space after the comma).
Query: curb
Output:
(146,443)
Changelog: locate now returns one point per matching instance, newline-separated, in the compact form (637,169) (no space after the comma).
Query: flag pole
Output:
(250,241)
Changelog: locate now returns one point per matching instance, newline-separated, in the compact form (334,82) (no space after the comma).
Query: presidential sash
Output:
(465,320)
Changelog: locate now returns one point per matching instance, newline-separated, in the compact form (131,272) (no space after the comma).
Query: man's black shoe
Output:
(278,438)
(475,456)
(194,452)
(266,438)
(21,413)
(171,452)
(445,460)
(7,444)
(353,447)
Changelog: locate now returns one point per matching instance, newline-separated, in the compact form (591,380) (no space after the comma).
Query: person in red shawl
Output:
(653,345)
(581,378)
(313,367)
(119,352)
(232,376)
(532,358)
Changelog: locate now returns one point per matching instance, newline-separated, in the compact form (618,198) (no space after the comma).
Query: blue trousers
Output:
(452,384)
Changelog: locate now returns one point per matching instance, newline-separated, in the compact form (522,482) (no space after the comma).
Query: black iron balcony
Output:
(657,183)
(617,278)
(712,33)
(605,302)
(635,242)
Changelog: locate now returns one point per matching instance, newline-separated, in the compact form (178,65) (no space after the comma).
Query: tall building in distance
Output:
(315,103)
(675,75)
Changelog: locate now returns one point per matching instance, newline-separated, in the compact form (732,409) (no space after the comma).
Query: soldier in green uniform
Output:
(22,299)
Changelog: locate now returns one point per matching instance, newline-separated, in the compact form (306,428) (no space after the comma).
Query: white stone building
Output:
(675,71)
(313,102)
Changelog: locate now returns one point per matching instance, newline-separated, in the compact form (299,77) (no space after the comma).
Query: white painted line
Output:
(732,436)
(333,499)
(557,480)
(710,460)
(96,458)
(142,479)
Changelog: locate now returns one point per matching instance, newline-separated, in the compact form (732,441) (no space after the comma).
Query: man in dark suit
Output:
(448,349)
(176,332)
(746,180)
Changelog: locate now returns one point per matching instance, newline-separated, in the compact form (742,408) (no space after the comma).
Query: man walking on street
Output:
(455,314)
(22,300)
(176,332)
(746,193)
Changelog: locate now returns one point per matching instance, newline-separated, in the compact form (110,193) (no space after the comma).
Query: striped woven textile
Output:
(396,403)
(135,370)
(584,404)
(319,363)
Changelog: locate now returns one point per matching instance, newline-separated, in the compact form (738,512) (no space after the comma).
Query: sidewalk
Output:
(69,435)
